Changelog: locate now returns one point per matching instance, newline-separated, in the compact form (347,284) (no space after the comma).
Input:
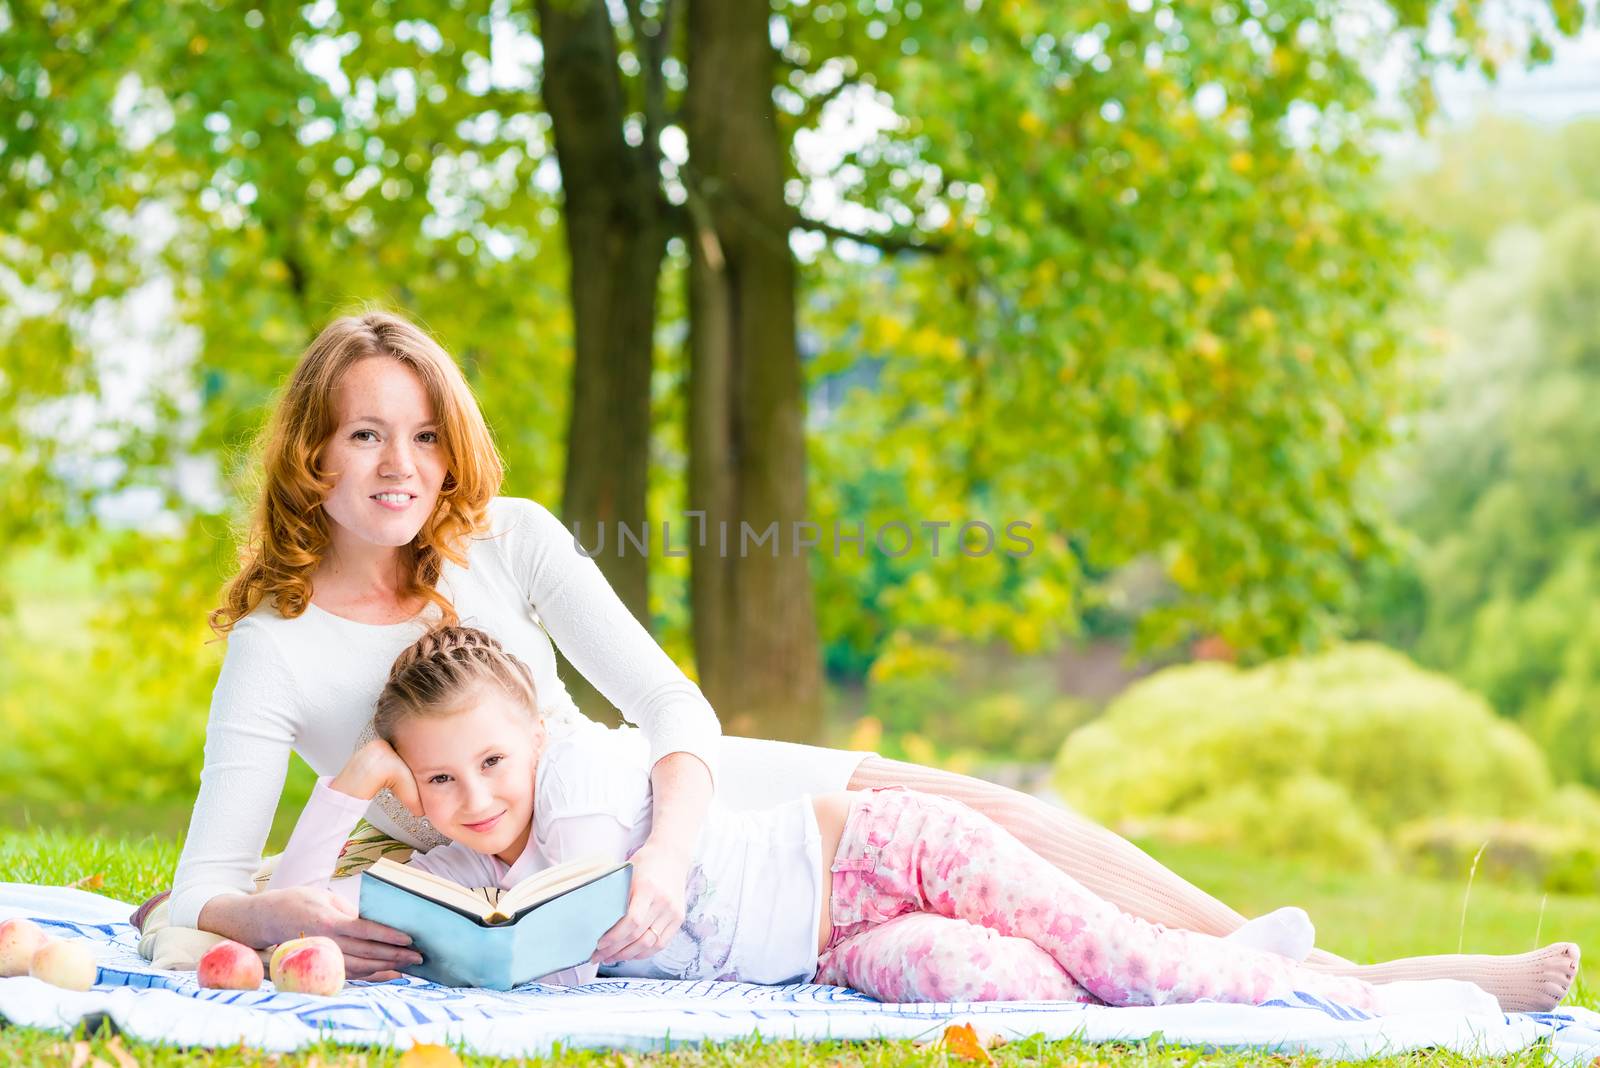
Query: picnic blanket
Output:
(164,1006)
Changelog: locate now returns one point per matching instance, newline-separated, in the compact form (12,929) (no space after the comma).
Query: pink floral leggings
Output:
(933,901)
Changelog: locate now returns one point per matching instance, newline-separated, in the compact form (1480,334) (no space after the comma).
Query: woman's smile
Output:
(394,502)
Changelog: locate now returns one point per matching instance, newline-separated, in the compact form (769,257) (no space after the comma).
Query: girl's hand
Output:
(655,905)
(374,767)
(371,950)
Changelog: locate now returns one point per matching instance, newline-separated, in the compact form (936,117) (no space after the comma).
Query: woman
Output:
(377,517)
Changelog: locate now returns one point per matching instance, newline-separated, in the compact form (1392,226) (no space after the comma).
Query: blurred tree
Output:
(754,621)
(239,177)
(1504,492)
(1473,182)
(1154,322)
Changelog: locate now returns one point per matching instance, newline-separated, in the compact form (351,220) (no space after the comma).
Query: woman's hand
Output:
(655,905)
(371,951)
(680,788)
(375,767)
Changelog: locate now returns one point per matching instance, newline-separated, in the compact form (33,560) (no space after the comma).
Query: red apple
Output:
(283,949)
(19,940)
(68,965)
(230,966)
(312,965)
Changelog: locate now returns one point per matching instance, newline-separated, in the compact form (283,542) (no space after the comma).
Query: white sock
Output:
(1286,932)
(1434,995)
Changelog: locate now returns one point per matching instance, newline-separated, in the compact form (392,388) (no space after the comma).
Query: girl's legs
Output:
(922,957)
(906,852)
(1115,869)
(1108,865)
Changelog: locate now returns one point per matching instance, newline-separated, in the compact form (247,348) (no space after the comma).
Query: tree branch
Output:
(885,242)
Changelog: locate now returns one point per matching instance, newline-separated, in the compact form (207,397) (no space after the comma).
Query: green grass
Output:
(1368,917)
(1364,917)
(39,1048)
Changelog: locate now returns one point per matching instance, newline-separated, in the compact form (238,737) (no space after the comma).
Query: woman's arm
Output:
(249,734)
(680,786)
(600,637)
(248,738)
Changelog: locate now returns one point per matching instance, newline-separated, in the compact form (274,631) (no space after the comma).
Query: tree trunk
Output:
(616,238)
(754,620)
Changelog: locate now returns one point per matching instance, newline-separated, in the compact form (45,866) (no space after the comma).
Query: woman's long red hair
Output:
(289,532)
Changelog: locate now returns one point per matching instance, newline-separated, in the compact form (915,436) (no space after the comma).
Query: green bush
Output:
(1539,856)
(1326,755)
(954,707)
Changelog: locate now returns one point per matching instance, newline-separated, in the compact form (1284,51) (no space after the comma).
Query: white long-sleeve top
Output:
(309,685)
(754,891)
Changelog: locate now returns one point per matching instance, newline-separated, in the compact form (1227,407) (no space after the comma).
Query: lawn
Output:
(1359,916)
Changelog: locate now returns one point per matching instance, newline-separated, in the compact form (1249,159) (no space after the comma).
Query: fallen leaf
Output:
(123,1058)
(428,1055)
(90,882)
(961,1040)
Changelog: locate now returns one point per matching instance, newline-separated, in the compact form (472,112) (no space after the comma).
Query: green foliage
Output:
(1155,324)
(1497,173)
(1331,753)
(1153,329)
(962,708)
(96,735)
(1548,857)
(1503,590)
(1156,327)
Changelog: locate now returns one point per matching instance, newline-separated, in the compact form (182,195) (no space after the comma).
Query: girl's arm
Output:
(333,811)
(319,836)
(600,637)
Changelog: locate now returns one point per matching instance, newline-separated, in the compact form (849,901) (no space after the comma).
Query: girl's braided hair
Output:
(437,673)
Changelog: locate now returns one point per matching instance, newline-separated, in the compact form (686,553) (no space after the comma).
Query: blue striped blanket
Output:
(648,1015)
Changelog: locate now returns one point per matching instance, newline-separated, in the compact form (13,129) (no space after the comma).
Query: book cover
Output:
(462,950)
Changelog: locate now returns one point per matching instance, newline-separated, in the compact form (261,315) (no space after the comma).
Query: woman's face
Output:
(475,771)
(386,455)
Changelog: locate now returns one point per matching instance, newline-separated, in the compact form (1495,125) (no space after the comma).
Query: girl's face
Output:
(387,456)
(475,770)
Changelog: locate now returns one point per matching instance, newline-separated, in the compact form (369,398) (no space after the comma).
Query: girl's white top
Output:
(309,685)
(754,890)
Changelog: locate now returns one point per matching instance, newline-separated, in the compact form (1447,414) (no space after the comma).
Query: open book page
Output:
(491,904)
(479,902)
(553,882)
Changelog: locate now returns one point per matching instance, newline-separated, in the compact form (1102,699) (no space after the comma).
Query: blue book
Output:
(494,938)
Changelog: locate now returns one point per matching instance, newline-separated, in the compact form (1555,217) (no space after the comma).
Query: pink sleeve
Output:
(320,833)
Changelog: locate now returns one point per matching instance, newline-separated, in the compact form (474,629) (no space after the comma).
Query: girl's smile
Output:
(483,826)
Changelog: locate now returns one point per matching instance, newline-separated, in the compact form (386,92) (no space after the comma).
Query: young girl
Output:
(901,895)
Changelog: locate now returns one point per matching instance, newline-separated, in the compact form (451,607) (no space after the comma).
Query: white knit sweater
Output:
(309,684)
